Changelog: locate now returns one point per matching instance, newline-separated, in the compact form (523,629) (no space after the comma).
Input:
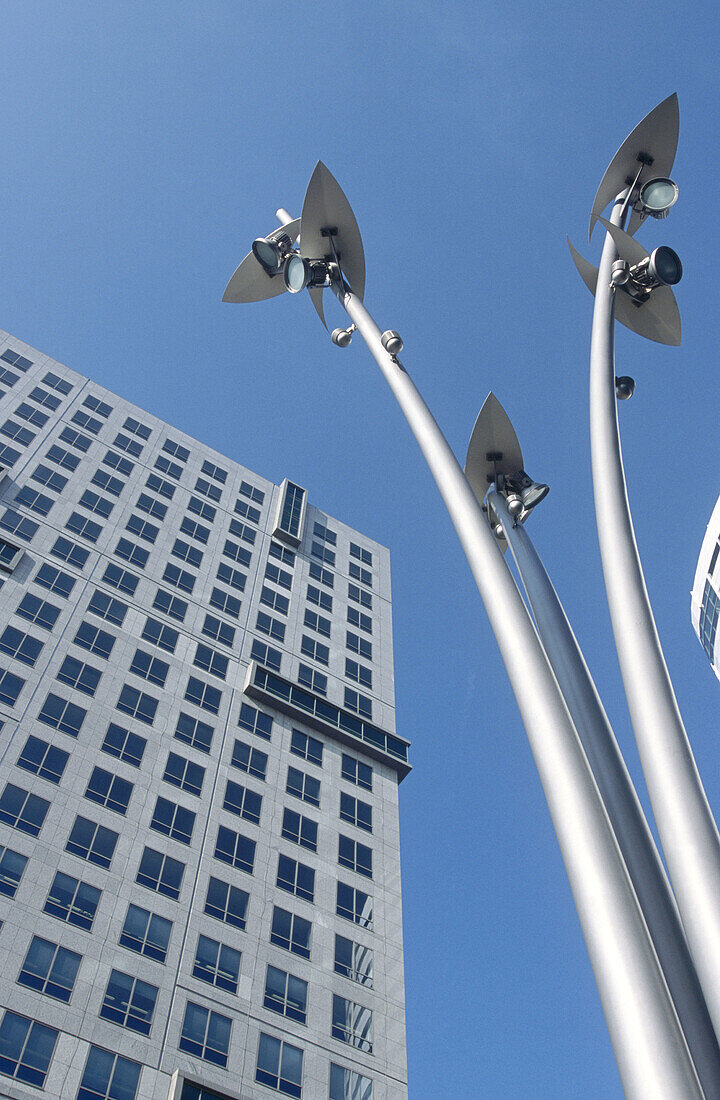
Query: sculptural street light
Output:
(649,1044)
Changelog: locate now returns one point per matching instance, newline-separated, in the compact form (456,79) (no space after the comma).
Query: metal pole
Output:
(685,823)
(651,1052)
(621,802)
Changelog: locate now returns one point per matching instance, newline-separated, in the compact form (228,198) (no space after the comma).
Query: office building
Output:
(199,844)
(705,600)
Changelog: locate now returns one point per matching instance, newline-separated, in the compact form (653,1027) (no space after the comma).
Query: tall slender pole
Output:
(650,1048)
(685,823)
(621,802)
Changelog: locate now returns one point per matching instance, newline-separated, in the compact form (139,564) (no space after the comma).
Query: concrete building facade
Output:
(199,841)
(705,600)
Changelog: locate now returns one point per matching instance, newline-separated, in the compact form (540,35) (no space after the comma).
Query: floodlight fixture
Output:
(299,273)
(271,252)
(657,196)
(520,487)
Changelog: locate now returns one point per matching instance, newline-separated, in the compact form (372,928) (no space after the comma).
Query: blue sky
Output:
(144,146)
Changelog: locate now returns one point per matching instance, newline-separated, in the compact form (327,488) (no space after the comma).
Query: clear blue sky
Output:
(145,145)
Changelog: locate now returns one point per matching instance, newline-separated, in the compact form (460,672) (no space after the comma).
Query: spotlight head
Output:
(520,487)
(299,273)
(665,266)
(392,342)
(657,196)
(270,252)
(341,337)
(624,387)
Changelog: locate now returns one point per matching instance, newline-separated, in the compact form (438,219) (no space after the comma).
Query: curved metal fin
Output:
(316,297)
(250,281)
(588,271)
(627,247)
(493,435)
(655,138)
(326,207)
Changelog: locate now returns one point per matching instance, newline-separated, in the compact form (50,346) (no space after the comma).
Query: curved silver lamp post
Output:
(493,435)
(650,1048)
(687,829)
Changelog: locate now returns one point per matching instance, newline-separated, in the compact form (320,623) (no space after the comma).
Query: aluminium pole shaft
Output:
(621,802)
(687,830)
(650,1048)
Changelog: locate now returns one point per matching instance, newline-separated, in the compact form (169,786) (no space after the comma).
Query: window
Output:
(8,455)
(226,903)
(16,360)
(69,551)
(210,661)
(158,485)
(346,1083)
(129,1002)
(218,630)
(62,457)
(94,639)
(134,426)
(236,552)
(38,611)
(291,932)
(149,667)
(137,704)
(253,494)
(50,478)
(72,901)
(124,745)
(200,508)
(79,675)
(22,810)
(187,553)
(33,416)
(12,865)
(15,431)
(272,599)
(146,933)
(75,439)
(10,687)
(184,774)
(62,715)
(278,576)
(243,531)
(131,552)
(320,531)
(26,1048)
(50,969)
(266,655)
(356,812)
(215,472)
(235,849)
(323,553)
(709,615)
(359,574)
(10,556)
(318,623)
(272,627)
(143,529)
(296,878)
(176,450)
(303,786)
(358,703)
(217,964)
(23,647)
(84,527)
(54,580)
(358,645)
(164,637)
(357,672)
(109,1077)
(355,856)
(109,790)
(56,383)
(106,481)
(170,468)
(231,576)
(131,446)
(315,650)
(194,732)
(160,873)
(311,678)
(173,820)
(352,1023)
(291,511)
(357,595)
(242,801)
(92,842)
(178,577)
(249,759)
(354,905)
(87,422)
(353,961)
(245,510)
(170,605)
(98,406)
(301,830)
(203,695)
(281,553)
(286,994)
(153,507)
(279,1065)
(34,500)
(14,523)
(43,759)
(116,462)
(255,721)
(214,492)
(205,1034)
(302,744)
(223,601)
(195,530)
(7,377)
(107,607)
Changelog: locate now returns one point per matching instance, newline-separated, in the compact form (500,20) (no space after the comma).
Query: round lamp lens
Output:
(295,274)
(665,266)
(266,253)
(658,195)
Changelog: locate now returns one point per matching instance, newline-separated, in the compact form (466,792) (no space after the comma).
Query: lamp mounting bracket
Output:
(329,231)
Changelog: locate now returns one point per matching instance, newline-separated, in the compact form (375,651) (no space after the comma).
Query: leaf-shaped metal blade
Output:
(250,281)
(655,138)
(326,207)
(627,247)
(316,297)
(588,271)
(493,434)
